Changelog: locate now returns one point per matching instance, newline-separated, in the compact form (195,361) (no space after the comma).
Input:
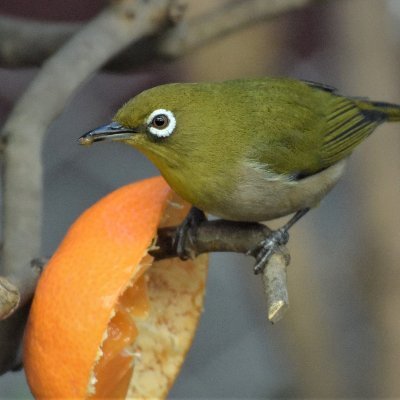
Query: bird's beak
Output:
(112,131)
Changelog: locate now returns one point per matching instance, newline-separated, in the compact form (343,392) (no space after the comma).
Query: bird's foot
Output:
(186,232)
(268,247)
(271,245)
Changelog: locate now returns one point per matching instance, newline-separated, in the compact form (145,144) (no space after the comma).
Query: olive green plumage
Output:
(252,149)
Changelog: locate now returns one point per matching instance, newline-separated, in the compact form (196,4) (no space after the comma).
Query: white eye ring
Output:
(161,132)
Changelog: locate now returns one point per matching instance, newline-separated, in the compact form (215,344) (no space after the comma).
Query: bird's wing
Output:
(318,138)
(347,125)
(309,127)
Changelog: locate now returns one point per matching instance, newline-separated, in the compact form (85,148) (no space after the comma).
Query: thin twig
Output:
(275,285)
(25,43)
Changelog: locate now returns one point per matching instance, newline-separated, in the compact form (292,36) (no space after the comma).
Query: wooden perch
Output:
(238,237)
(212,236)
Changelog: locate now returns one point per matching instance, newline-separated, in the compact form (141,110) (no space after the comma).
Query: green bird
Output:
(247,150)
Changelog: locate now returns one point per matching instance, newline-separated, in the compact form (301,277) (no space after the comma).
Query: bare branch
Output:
(220,235)
(275,285)
(239,237)
(218,23)
(114,29)
(26,43)
(9,298)
(17,290)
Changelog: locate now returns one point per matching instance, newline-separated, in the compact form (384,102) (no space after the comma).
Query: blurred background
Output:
(341,335)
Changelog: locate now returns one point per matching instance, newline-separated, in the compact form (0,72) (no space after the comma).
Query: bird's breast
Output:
(254,194)
(250,192)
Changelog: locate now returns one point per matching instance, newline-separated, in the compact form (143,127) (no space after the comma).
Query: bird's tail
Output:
(379,111)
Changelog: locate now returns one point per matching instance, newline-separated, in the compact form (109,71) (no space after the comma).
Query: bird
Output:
(247,149)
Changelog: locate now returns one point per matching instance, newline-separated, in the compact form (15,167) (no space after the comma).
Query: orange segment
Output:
(135,298)
(121,333)
(120,368)
(101,313)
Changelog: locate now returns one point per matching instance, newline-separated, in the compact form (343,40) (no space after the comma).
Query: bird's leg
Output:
(270,245)
(187,231)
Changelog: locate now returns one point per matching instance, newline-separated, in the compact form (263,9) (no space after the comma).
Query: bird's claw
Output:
(183,241)
(269,246)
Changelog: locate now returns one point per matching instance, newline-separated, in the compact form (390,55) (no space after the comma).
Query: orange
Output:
(105,320)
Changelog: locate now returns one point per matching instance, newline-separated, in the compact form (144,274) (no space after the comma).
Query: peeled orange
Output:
(107,322)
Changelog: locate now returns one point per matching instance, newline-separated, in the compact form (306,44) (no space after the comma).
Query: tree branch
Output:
(17,289)
(9,298)
(110,32)
(26,43)
(213,236)
(238,237)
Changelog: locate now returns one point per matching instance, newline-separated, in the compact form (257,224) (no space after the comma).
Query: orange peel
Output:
(107,321)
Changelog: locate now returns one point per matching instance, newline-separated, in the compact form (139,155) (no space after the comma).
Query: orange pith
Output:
(94,293)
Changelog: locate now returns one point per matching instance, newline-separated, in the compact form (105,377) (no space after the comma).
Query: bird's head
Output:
(165,122)
(192,132)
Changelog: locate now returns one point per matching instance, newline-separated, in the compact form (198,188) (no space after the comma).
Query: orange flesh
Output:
(117,359)
(135,299)
(121,369)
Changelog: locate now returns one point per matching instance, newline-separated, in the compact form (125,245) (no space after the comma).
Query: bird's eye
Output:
(161,123)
